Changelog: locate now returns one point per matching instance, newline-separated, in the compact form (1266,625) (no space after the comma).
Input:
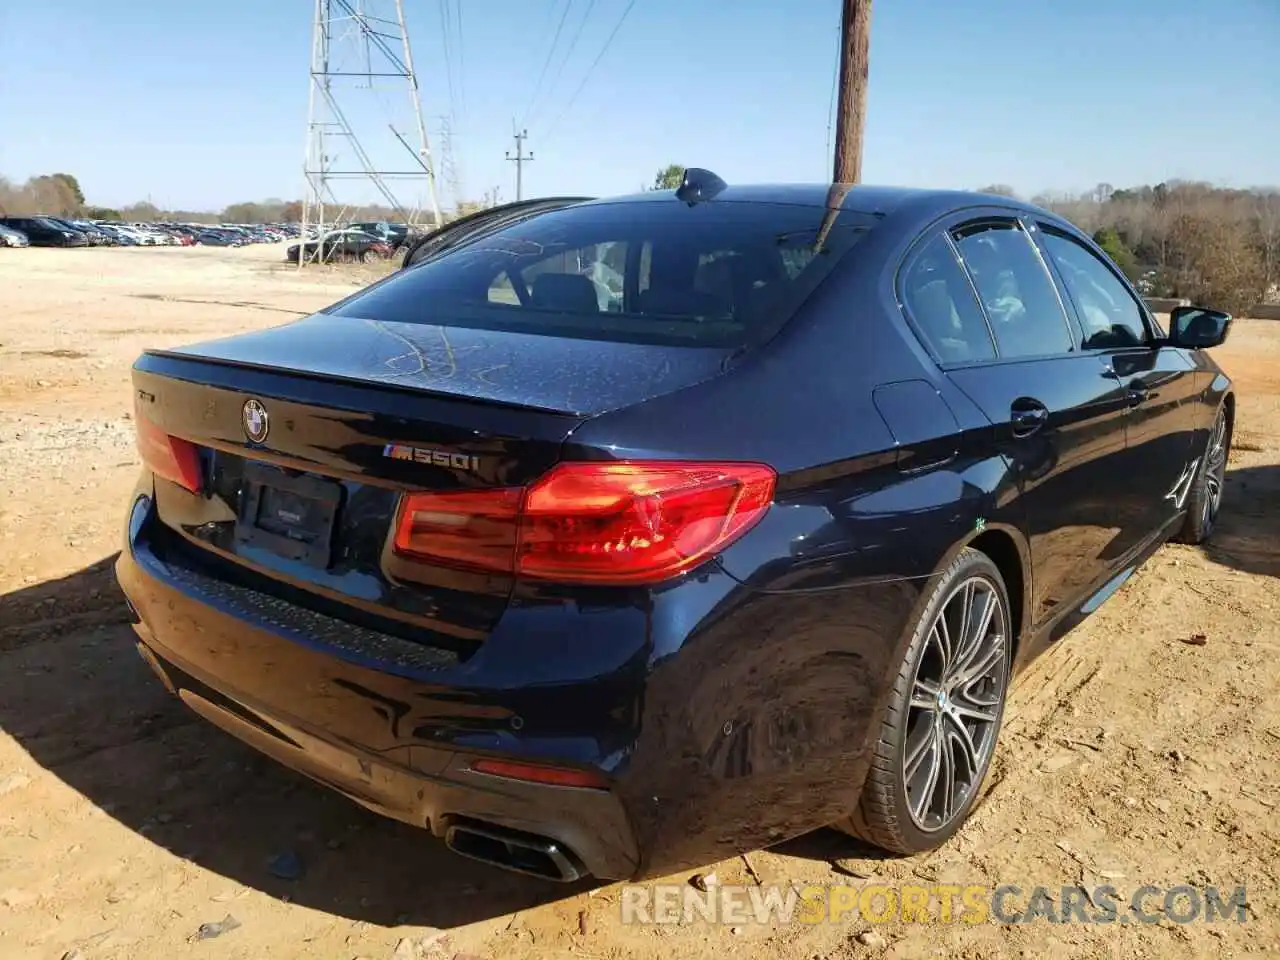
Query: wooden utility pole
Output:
(851,111)
(520,159)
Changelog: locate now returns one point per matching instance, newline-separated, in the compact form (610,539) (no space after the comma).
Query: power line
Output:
(587,76)
(448,67)
(573,43)
(542,75)
(461,47)
(831,103)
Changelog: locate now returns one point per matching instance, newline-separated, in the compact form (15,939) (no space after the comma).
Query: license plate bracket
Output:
(291,515)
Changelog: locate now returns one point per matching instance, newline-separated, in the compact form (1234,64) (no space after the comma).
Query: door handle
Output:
(1027,415)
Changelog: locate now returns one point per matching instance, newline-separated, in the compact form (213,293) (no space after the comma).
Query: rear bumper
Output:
(221,665)
(569,830)
(727,719)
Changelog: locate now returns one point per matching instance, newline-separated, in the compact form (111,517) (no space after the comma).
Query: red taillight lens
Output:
(472,528)
(169,457)
(536,773)
(623,522)
(633,522)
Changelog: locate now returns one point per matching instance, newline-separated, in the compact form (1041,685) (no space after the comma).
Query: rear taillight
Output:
(475,529)
(620,522)
(169,457)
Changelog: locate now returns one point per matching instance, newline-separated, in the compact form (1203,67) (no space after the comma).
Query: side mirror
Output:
(1198,328)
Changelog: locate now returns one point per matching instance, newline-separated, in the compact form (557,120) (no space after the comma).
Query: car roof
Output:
(875,200)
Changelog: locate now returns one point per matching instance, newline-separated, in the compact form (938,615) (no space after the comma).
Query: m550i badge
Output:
(436,458)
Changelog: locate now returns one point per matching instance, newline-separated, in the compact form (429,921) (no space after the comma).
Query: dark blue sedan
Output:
(618,536)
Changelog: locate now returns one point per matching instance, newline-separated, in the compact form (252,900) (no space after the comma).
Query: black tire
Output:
(1205,498)
(368,256)
(889,814)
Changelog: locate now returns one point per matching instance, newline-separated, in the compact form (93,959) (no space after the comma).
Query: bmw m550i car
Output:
(616,578)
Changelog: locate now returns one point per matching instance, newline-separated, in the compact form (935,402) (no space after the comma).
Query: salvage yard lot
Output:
(1135,753)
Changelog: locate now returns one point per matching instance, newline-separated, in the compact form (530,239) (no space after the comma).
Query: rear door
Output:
(1158,382)
(1001,332)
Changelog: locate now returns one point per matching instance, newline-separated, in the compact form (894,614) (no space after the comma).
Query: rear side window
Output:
(1108,313)
(722,274)
(1020,299)
(940,301)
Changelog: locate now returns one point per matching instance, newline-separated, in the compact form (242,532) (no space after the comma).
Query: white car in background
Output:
(133,234)
(9,237)
(149,237)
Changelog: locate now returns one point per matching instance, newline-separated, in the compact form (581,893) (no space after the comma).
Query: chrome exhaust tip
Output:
(514,850)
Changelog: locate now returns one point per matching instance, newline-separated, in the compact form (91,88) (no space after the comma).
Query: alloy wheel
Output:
(1215,470)
(956,700)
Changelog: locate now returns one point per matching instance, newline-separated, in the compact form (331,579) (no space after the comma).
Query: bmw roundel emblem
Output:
(255,419)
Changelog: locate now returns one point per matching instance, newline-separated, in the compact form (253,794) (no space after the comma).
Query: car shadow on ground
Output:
(77,698)
(1247,534)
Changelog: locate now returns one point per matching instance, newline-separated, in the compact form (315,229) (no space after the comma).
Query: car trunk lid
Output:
(308,435)
(568,375)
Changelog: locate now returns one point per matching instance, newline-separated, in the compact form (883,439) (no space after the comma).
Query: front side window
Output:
(1108,313)
(1021,301)
(721,274)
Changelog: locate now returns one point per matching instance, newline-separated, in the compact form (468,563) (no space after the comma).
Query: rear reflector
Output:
(621,522)
(168,457)
(535,773)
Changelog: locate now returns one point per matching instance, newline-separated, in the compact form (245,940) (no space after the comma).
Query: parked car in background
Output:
(43,232)
(394,234)
(128,234)
(217,238)
(97,236)
(92,240)
(11,237)
(342,245)
(624,583)
(162,233)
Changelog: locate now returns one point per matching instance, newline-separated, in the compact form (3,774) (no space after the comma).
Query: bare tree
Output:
(1213,262)
(1000,190)
(1267,218)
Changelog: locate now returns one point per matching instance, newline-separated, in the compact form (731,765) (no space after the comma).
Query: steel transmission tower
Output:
(353,44)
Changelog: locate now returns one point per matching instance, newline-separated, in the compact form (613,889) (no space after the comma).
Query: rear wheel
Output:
(368,256)
(1206,491)
(939,732)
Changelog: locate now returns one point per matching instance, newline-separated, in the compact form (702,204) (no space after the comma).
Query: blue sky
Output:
(200,104)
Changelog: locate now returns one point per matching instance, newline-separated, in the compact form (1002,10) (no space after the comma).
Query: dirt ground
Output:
(1131,756)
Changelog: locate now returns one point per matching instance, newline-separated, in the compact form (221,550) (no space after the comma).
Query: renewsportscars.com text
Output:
(936,903)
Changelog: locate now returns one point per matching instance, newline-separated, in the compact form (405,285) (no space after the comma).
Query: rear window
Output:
(716,274)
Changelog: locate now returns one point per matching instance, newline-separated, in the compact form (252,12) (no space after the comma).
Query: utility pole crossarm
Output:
(851,111)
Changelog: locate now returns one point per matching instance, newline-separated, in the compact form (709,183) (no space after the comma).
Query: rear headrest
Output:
(934,310)
(566,292)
